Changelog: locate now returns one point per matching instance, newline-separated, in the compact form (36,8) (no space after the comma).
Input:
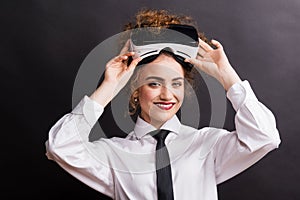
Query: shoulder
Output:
(205,138)
(206,132)
(118,142)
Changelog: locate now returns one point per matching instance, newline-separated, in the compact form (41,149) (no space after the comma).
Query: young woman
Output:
(196,160)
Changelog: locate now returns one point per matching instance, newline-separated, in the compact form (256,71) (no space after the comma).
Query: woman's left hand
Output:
(215,63)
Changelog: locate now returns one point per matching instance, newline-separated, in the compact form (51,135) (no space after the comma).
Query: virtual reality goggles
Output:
(180,40)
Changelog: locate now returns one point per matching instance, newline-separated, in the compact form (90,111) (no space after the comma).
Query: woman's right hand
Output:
(116,76)
(117,71)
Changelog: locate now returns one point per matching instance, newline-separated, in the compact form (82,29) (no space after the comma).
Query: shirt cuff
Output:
(90,109)
(239,93)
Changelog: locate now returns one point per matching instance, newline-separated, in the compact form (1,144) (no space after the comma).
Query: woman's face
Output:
(161,90)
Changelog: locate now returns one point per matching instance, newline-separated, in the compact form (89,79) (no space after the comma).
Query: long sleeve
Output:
(255,135)
(69,146)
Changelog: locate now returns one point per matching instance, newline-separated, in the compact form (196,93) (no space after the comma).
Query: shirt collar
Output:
(142,127)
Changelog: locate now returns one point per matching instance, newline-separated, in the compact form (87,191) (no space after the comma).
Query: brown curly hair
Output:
(157,18)
(161,18)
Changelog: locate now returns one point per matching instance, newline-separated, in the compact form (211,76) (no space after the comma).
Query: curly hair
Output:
(161,18)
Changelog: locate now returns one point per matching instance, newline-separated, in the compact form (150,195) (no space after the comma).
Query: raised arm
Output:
(256,133)
(68,143)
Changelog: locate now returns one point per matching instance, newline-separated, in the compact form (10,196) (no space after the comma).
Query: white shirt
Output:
(124,168)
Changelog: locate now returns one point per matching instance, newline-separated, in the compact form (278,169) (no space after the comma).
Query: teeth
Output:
(164,105)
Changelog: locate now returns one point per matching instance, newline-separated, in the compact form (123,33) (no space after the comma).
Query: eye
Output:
(154,84)
(177,84)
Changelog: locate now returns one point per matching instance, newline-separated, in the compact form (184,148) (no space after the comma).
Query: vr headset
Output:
(181,41)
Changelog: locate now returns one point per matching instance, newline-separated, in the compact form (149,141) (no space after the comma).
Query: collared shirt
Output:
(124,168)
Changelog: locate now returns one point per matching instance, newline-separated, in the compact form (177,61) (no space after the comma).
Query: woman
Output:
(194,160)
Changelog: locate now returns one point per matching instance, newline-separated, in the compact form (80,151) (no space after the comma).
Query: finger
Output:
(201,52)
(203,45)
(120,58)
(125,48)
(217,44)
(123,57)
(193,61)
(134,63)
(201,48)
(129,53)
(202,56)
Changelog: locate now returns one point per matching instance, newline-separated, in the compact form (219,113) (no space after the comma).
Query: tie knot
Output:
(161,135)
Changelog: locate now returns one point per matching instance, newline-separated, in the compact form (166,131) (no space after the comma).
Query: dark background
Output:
(43,44)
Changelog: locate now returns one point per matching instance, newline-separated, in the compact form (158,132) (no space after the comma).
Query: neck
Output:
(156,123)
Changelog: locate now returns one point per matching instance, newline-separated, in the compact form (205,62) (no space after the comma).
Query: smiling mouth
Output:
(165,106)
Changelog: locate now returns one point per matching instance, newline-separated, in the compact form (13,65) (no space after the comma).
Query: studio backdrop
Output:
(45,46)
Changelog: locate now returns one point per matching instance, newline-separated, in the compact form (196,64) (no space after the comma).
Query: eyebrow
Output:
(161,79)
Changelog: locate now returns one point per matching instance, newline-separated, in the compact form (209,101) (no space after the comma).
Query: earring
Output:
(135,99)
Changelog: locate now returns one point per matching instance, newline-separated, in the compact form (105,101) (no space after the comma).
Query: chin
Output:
(161,117)
(158,117)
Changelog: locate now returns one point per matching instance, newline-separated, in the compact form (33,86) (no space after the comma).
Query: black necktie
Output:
(163,168)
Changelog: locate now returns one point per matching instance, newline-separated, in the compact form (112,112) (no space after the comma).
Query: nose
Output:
(165,93)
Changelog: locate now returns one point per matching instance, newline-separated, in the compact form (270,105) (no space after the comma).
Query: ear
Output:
(135,94)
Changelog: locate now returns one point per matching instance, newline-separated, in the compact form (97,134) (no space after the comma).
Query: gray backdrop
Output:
(43,44)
